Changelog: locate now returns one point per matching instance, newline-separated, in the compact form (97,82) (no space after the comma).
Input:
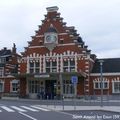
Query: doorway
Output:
(50,89)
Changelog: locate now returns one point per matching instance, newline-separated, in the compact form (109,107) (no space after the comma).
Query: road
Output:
(32,110)
(94,115)
(15,110)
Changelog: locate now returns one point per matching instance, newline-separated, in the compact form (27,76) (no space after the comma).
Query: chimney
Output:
(4,48)
(52,9)
(14,48)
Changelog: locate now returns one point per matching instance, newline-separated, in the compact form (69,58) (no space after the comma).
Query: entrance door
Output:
(50,89)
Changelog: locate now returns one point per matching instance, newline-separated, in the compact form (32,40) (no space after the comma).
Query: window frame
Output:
(35,68)
(68,87)
(51,67)
(113,87)
(69,66)
(16,82)
(98,83)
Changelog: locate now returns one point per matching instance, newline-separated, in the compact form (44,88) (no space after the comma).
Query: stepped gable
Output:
(54,23)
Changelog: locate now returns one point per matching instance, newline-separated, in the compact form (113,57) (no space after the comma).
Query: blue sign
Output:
(74,79)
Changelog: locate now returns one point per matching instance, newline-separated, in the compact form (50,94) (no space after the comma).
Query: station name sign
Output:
(42,76)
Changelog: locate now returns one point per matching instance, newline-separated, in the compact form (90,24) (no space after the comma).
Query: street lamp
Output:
(101,80)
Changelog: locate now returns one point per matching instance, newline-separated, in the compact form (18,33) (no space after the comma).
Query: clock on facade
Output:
(51,38)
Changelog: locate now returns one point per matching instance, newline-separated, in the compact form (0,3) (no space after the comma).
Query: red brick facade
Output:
(8,68)
(53,56)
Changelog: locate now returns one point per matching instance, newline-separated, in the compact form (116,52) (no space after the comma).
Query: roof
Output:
(110,65)
(4,52)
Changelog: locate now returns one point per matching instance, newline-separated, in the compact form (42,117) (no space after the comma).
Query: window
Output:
(1,72)
(69,65)
(2,60)
(34,86)
(1,86)
(97,85)
(14,85)
(37,67)
(34,67)
(116,87)
(31,67)
(51,66)
(68,87)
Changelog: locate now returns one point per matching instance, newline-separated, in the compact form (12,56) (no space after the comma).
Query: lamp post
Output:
(101,80)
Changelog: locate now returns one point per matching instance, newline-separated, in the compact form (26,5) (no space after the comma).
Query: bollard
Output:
(47,100)
(54,103)
(63,102)
(74,102)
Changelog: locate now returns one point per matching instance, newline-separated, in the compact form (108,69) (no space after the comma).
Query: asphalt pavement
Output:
(17,110)
(27,109)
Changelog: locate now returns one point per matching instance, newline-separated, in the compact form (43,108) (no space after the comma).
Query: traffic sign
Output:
(74,79)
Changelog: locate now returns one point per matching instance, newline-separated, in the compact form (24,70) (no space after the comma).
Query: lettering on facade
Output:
(42,76)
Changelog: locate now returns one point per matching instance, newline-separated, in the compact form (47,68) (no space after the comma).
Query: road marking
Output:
(38,107)
(7,109)
(28,108)
(19,109)
(28,116)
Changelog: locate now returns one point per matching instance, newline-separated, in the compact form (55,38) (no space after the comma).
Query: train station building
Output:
(57,62)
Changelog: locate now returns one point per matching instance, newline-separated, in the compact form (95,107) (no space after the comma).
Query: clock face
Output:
(51,38)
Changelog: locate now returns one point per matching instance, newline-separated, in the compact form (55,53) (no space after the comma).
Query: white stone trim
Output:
(116,79)
(86,70)
(61,63)
(40,59)
(98,80)
(86,62)
(105,74)
(39,36)
(63,34)
(86,90)
(76,63)
(28,66)
(57,63)
(56,45)
(44,64)
(86,66)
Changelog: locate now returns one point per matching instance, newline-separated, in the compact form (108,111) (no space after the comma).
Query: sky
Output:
(97,22)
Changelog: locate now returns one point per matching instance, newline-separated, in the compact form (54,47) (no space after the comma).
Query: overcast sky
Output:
(97,21)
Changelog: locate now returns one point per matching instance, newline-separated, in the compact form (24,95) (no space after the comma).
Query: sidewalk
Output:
(57,107)
(69,108)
